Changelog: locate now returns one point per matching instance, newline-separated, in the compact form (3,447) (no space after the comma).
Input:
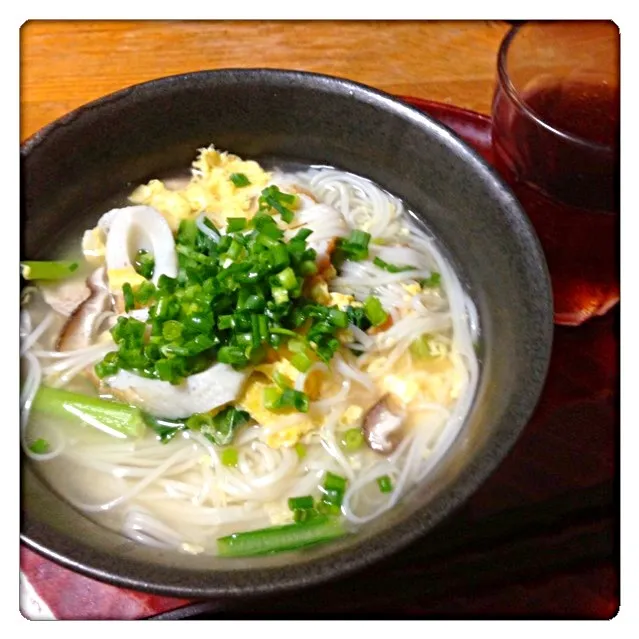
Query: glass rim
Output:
(515,96)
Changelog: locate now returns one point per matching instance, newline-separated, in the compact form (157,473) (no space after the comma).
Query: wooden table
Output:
(68,63)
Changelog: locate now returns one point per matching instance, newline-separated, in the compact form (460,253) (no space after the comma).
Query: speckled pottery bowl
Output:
(102,148)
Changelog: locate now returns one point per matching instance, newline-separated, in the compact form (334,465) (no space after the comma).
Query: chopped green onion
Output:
(172,330)
(374,311)
(334,482)
(359,238)
(145,291)
(276,399)
(273,198)
(225,322)
(326,507)
(39,447)
(280,295)
(300,515)
(301,361)
(385,484)
(239,179)
(129,300)
(420,347)
(433,281)
(144,264)
(354,247)
(229,457)
(352,440)
(229,300)
(302,235)
(235,250)
(272,397)
(338,317)
(108,366)
(300,449)
(235,224)
(287,278)
(281,538)
(187,232)
(302,503)
(332,497)
(391,268)
(231,355)
(52,270)
(308,267)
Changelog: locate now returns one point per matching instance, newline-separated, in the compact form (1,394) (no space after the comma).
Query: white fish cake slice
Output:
(198,393)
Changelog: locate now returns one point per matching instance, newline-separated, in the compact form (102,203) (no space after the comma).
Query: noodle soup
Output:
(245,361)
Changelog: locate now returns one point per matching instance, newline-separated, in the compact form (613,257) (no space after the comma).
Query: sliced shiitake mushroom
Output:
(383,425)
(79,329)
(65,296)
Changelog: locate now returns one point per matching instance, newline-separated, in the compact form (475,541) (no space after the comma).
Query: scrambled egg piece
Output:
(412,289)
(210,189)
(94,246)
(341,301)
(252,401)
(119,276)
(438,379)
(351,416)
(281,367)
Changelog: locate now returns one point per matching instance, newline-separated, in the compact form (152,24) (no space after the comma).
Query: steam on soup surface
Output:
(245,361)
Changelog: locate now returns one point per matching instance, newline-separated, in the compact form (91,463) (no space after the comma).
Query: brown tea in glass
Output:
(556,142)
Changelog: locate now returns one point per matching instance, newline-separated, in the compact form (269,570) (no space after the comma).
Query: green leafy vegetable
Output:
(165,429)
(221,428)
(113,418)
(52,270)
(280,538)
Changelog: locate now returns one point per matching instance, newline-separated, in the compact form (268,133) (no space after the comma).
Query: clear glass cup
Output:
(555,119)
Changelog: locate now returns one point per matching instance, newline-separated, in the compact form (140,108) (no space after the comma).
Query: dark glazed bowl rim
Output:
(54,545)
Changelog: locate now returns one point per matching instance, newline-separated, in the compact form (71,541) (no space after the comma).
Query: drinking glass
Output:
(556,142)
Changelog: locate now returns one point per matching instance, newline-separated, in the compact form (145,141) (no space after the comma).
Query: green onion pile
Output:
(235,296)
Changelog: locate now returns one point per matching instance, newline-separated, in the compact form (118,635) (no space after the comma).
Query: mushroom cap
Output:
(383,425)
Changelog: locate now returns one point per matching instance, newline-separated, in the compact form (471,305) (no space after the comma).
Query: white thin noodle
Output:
(180,496)
(209,232)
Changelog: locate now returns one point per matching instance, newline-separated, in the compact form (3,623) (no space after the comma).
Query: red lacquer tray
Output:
(538,539)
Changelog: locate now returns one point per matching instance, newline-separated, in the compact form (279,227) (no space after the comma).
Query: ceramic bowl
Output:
(101,149)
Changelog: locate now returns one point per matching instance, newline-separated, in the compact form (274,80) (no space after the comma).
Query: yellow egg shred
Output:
(209,190)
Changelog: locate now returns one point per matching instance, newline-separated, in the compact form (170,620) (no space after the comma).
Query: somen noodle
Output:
(280,352)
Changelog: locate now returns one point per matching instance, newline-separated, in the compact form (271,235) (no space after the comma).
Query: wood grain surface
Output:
(67,63)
